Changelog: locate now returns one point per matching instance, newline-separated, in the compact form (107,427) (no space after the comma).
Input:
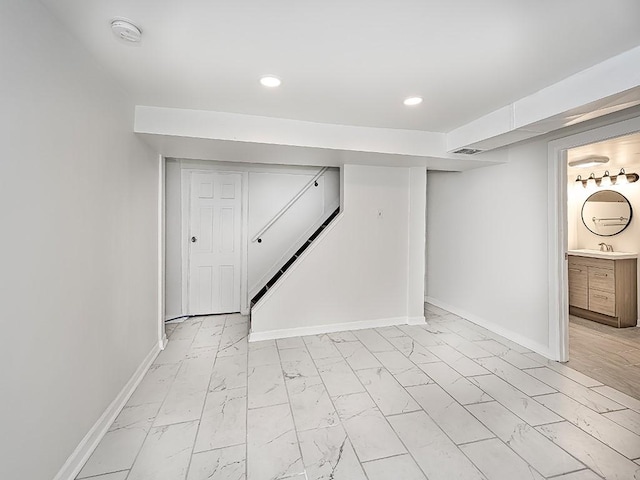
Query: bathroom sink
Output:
(585,252)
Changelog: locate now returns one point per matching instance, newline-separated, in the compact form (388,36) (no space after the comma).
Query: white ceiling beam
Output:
(607,87)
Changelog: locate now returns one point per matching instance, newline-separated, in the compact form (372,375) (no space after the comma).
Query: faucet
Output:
(605,248)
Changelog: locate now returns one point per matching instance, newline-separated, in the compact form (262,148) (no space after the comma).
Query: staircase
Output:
(292,260)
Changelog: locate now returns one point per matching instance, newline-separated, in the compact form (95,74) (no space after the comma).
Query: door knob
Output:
(194,239)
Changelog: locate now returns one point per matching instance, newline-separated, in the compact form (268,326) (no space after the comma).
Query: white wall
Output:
(581,237)
(359,269)
(78,250)
(270,187)
(487,241)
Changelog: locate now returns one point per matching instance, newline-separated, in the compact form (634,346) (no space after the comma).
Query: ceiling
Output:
(622,152)
(350,63)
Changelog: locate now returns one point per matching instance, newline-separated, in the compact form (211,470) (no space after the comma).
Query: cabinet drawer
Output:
(578,277)
(602,302)
(590,262)
(601,279)
(579,298)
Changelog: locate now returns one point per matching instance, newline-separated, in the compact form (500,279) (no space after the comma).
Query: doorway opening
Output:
(603,245)
(589,287)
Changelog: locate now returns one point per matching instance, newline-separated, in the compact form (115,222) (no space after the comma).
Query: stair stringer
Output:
(254,289)
(357,272)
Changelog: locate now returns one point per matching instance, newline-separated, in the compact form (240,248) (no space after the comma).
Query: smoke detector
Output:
(126,31)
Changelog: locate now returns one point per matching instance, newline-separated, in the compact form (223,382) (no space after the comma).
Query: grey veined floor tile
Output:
(499,462)
(595,424)
(400,466)
(375,342)
(600,458)
(369,431)
(222,464)
(224,420)
(328,454)
(540,452)
(522,405)
(390,397)
(630,419)
(338,376)
(166,453)
(120,445)
(444,401)
(357,355)
(229,373)
(272,445)
(122,475)
(516,377)
(404,370)
(310,403)
(454,384)
(462,364)
(266,386)
(451,417)
(438,457)
(186,397)
(575,390)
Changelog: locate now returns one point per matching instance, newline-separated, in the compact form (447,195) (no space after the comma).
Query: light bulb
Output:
(270,81)
(621,178)
(606,179)
(411,101)
(591,181)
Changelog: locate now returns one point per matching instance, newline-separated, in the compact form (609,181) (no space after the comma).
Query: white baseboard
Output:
(88,444)
(331,328)
(421,320)
(503,332)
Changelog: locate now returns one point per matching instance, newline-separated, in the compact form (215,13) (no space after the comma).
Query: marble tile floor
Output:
(445,401)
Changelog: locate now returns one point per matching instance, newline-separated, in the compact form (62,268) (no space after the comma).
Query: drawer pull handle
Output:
(601,274)
(601,296)
(575,270)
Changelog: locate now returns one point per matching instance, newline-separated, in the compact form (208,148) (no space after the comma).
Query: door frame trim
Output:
(162,246)
(185,204)
(557,227)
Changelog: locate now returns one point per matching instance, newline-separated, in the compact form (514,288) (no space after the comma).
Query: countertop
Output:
(584,252)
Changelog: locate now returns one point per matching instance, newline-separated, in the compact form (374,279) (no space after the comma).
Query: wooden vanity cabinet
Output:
(604,290)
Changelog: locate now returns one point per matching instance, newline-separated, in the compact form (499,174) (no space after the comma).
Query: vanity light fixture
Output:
(590,161)
(411,101)
(607,180)
(621,178)
(270,81)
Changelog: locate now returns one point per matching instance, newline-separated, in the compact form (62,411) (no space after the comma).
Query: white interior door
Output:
(214,243)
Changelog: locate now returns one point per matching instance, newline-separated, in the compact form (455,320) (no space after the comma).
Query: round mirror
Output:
(606,213)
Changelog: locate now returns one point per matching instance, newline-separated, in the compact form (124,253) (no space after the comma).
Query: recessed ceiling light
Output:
(270,81)
(413,101)
(126,31)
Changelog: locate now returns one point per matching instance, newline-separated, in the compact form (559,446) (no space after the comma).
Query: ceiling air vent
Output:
(468,151)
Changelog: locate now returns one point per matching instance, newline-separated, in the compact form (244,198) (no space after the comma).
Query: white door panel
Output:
(214,243)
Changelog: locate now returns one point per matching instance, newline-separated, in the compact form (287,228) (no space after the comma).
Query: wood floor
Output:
(610,355)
